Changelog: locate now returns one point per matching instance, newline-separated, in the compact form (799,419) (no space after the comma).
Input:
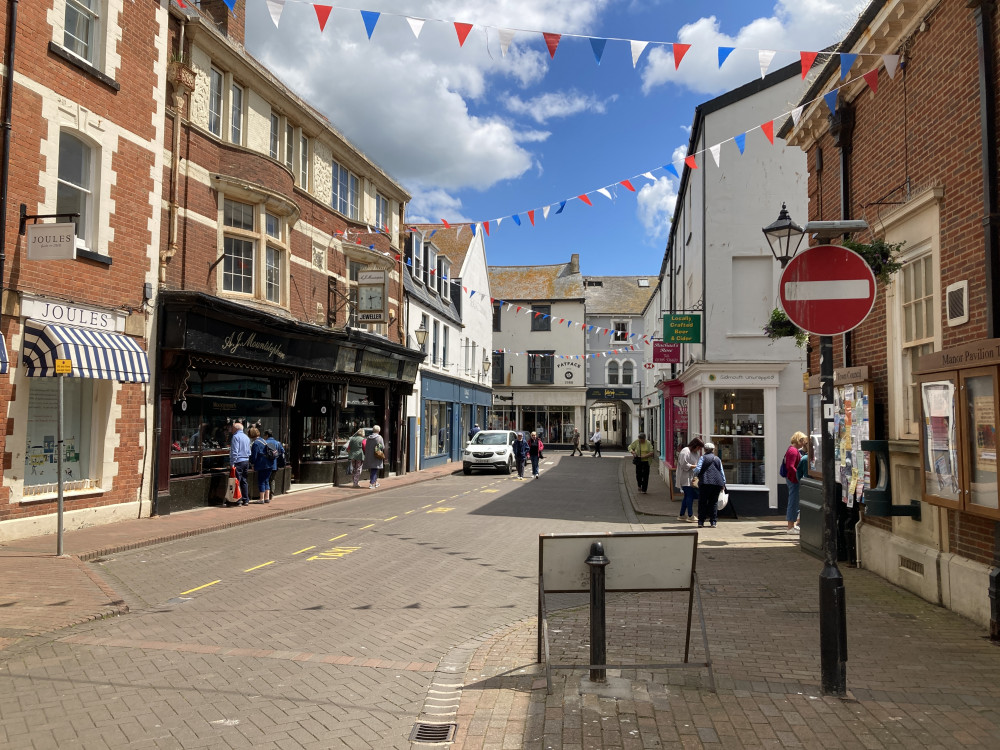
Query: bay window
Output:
(254,251)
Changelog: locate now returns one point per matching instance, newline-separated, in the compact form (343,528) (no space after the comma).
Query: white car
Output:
(490,449)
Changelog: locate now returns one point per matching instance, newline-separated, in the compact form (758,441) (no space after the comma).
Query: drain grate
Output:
(424,732)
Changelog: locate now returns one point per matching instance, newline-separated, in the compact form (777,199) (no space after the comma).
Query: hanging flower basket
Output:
(881,256)
(780,327)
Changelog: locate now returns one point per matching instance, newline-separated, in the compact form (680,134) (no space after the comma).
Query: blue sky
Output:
(475,136)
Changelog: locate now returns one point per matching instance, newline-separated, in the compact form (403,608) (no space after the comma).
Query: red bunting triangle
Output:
(463,30)
(531,217)
(446,224)
(679,51)
(322,14)
(871,78)
(519,309)
(486,226)
(585,199)
(552,41)
(628,184)
(768,128)
(808,58)
(689,160)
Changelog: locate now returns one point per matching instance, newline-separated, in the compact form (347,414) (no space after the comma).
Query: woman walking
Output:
(711,482)
(356,455)
(687,462)
(374,455)
(262,464)
(534,451)
(796,443)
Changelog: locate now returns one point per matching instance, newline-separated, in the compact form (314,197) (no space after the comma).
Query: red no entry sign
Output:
(827,290)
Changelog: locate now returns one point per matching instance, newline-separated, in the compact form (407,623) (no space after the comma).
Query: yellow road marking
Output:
(390,518)
(409,512)
(336,538)
(366,527)
(427,506)
(262,565)
(490,490)
(440,510)
(441,501)
(334,553)
(198,588)
(304,550)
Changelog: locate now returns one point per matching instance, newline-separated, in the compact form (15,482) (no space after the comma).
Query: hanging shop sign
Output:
(682,329)
(609,394)
(664,353)
(51,241)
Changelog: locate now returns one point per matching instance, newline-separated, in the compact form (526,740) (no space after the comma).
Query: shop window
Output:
(540,367)
(81,469)
(254,251)
(541,318)
(216,80)
(738,432)
(346,191)
(76,185)
(437,430)
(364,408)
(612,373)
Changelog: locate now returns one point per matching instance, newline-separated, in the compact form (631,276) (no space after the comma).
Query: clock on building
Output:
(371,298)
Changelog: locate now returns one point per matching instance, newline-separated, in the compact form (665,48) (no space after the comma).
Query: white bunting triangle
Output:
(637,48)
(498,222)
(649,176)
(797,115)
(416,26)
(891,63)
(715,152)
(606,193)
(274,7)
(765,56)
(545,212)
(506,37)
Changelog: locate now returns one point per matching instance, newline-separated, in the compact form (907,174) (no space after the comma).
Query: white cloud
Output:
(655,207)
(799,25)
(430,205)
(548,106)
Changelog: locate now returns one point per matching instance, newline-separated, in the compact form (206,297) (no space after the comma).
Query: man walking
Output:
(596,440)
(642,452)
(576,443)
(239,457)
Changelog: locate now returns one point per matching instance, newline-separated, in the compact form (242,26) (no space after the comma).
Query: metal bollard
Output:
(598,629)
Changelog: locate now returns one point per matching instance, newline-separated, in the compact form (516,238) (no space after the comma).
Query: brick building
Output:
(916,159)
(86,111)
(279,273)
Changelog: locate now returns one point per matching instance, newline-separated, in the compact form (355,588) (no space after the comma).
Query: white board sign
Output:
(51,241)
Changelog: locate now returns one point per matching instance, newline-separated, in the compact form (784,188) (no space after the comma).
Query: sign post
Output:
(63,367)
(829,290)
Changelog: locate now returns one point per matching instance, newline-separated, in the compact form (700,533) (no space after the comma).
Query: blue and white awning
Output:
(94,354)
(3,355)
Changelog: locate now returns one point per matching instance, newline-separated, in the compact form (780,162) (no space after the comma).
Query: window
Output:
(289,145)
(918,328)
(498,369)
(83,25)
(417,260)
(627,369)
(215,102)
(237,124)
(540,320)
(353,269)
(540,367)
(620,330)
(425,324)
(434,342)
(497,308)
(346,191)
(381,213)
(430,267)
(444,278)
(612,373)
(76,185)
(254,250)
(275,135)
(304,163)
(437,433)
(444,347)
(80,470)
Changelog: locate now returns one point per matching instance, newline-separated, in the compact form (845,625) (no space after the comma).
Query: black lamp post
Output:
(784,236)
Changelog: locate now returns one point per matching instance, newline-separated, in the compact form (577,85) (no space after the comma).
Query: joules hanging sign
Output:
(51,241)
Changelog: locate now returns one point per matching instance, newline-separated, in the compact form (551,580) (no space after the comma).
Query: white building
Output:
(452,392)
(743,391)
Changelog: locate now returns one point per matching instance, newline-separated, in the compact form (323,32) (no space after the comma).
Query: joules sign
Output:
(51,241)
(51,311)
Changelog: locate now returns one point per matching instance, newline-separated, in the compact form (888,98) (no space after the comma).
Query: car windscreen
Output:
(490,438)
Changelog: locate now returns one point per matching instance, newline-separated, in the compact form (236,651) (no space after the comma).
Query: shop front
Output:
(448,409)
(313,388)
(552,415)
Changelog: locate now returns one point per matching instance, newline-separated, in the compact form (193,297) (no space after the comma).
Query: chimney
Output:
(574,264)
(232,23)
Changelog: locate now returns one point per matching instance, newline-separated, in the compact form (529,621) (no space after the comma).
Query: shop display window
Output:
(40,457)
(364,407)
(554,424)
(502,418)
(437,428)
(738,433)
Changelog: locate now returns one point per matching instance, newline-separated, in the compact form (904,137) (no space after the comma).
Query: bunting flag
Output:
(545,212)
(831,101)
(606,193)
(891,62)
(598,45)
(551,41)
(517,219)
(486,226)
(562,205)
(231,4)
(274,7)
(462,29)
(807,58)
(627,185)
(506,37)
(724,53)
(679,51)
(871,78)
(322,14)
(846,61)
(765,56)
(637,48)
(768,130)
(714,150)
(370,18)
(585,199)
(672,169)
(741,141)
(531,217)
(416,26)
(797,114)
(690,162)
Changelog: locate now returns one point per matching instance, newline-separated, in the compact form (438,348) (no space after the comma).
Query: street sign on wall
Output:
(827,290)
(682,329)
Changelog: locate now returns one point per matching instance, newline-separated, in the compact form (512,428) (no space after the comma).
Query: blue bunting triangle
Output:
(741,141)
(831,101)
(724,52)
(598,46)
(371,18)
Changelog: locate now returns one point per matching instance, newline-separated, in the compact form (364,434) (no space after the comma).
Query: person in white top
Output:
(596,440)
(687,461)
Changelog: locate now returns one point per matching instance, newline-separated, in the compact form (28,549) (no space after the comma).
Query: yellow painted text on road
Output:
(334,553)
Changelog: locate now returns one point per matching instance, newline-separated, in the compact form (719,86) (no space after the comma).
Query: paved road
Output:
(336,627)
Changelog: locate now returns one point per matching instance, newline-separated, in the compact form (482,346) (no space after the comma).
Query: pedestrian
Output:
(474,430)
(711,482)
(576,442)
(356,455)
(641,450)
(595,439)
(239,458)
(687,462)
(534,451)
(263,464)
(374,456)
(520,453)
(793,457)
(279,459)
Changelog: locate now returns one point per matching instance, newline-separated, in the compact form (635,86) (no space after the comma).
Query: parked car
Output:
(490,449)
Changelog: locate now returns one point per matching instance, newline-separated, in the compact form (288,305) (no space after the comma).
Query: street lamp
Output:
(486,361)
(781,234)
(421,335)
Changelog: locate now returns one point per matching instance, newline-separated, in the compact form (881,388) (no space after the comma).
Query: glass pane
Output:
(918,320)
(238,215)
(80,21)
(907,323)
(41,458)
(74,161)
(273,227)
(237,269)
(940,459)
(272,279)
(981,440)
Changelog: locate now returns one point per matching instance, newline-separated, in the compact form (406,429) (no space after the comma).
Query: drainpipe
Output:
(8,98)
(175,169)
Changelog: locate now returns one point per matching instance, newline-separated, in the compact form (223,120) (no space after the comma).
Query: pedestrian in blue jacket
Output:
(520,447)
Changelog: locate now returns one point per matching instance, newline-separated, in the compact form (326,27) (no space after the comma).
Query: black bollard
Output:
(598,629)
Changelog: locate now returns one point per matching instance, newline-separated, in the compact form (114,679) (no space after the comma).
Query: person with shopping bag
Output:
(711,482)
(239,461)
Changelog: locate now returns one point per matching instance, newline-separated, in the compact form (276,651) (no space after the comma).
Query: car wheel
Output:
(466,469)
(508,467)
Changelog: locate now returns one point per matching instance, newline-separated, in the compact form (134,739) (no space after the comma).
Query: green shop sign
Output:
(682,329)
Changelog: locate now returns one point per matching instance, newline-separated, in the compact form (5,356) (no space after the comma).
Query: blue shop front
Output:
(448,410)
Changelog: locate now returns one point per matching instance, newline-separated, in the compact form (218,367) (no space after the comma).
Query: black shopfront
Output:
(312,387)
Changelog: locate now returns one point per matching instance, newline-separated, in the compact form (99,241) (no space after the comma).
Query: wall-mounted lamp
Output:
(486,361)
(421,335)
(784,237)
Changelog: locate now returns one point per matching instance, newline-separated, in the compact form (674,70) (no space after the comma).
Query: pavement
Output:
(918,676)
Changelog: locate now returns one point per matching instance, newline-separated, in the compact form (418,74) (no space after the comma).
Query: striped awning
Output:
(3,355)
(94,354)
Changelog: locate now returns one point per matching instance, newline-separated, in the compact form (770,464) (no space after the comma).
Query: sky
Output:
(476,135)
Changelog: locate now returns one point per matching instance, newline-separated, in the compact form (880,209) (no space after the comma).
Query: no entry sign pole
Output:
(829,290)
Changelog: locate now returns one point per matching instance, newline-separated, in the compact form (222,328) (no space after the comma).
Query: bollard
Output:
(598,635)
